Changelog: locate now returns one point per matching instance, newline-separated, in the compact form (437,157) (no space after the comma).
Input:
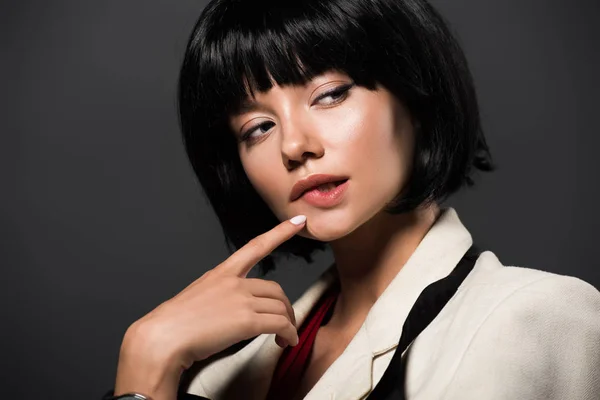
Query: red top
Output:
(294,360)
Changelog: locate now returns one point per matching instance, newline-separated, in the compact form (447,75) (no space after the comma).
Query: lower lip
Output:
(325,199)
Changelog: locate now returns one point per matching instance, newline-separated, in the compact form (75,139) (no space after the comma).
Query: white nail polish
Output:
(298,219)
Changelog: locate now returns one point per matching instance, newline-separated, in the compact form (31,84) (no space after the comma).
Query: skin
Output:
(365,135)
(296,131)
(220,308)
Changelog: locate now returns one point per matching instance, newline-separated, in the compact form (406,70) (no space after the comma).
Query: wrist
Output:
(146,367)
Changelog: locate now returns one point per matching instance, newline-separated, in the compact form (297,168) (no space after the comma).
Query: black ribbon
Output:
(427,306)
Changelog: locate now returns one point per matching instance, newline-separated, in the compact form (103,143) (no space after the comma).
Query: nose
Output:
(300,141)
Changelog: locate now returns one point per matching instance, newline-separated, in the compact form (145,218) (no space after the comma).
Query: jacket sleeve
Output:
(542,342)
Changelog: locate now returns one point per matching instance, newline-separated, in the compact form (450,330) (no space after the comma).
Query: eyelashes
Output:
(339,91)
(264,126)
(337,95)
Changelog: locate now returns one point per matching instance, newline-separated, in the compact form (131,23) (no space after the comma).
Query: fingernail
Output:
(298,219)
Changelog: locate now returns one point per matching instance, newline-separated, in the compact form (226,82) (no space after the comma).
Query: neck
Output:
(371,256)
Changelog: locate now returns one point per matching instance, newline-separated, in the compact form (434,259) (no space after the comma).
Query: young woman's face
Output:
(328,126)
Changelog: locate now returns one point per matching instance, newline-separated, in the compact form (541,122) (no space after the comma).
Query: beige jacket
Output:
(509,333)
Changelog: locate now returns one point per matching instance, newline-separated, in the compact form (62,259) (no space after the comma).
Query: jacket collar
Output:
(350,376)
(434,258)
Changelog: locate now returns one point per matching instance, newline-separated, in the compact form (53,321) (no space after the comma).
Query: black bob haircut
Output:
(238,47)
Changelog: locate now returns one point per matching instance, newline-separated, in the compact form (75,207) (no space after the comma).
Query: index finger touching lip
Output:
(243,260)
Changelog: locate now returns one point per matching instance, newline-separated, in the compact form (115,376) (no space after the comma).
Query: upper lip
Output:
(311,182)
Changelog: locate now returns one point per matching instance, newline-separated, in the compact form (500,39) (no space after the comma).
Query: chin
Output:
(327,228)
(328,236)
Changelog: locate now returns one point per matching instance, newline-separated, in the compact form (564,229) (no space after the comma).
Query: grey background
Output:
(101,216)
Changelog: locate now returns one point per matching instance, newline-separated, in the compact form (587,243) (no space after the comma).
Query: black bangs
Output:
(240,47)
(257,44)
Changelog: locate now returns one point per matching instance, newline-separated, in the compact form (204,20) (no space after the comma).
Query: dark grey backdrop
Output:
(102,218)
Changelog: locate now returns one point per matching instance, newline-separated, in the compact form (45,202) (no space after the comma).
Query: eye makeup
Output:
(341,91)
(338,94)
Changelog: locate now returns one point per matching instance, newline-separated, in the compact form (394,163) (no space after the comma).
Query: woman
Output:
(350,121)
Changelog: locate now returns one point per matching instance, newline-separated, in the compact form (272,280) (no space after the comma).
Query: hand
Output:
(217,310)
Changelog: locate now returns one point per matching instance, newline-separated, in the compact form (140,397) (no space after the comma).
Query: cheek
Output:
(379,140)
(381,159)
(262,172)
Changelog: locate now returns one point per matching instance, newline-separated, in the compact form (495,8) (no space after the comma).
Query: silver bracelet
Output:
(129,396)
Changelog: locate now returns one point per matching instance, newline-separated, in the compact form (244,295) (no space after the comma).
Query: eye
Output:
(259,128)
(336,95)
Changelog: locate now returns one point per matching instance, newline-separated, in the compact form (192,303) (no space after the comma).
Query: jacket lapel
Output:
(247,373)
(349,377)
(356,372)
(261,367)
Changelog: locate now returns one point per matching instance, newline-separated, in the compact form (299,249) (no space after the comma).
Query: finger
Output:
(277,324)
(261,288)
(281,342)
(243,260)
(262,305)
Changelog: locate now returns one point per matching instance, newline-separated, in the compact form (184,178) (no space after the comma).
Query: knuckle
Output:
(275,286)
(231,283)
(247,303)
(282,308)
(248,321)
(258,244)
(282,322)
(208,275)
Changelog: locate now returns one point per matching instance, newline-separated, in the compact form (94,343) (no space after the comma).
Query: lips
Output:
(313,181)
